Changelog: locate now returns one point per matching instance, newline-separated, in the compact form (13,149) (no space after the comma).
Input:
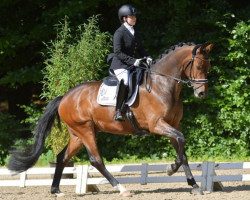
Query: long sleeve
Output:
(119,49)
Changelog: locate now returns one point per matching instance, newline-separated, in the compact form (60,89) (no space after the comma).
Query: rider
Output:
(126,43)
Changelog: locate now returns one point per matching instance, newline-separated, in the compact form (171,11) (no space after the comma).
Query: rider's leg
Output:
(120,100)
(122,76)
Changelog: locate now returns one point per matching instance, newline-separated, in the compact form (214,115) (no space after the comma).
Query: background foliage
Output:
(71,61)
(216,126)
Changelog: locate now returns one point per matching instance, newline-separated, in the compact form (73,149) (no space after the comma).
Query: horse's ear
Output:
(205,48)
(209,47)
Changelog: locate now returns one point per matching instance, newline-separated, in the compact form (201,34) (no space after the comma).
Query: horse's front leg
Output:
(190,179)
(178,141)
(164,129)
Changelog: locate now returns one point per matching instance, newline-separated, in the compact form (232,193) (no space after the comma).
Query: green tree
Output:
(221,128)
(71,61)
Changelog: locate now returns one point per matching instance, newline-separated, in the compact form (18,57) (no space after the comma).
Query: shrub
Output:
(220,128)
(72,60)
(10,131)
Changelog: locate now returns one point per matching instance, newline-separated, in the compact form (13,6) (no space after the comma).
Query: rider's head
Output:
(127,13)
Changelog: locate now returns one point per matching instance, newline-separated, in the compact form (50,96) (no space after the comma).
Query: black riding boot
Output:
(120,101)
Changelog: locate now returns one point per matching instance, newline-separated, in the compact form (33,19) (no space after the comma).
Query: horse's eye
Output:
(198,67)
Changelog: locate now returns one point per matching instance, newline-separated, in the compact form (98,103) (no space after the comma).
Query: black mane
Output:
(172,48)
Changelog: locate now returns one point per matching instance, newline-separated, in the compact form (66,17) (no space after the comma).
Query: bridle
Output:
(191,63)
(189,82)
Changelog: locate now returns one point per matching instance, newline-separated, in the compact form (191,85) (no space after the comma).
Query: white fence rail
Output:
(212,178)
(140,175)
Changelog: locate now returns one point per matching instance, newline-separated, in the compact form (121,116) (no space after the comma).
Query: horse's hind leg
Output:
(171,169)
(97,162)
(89,140)
(63,157)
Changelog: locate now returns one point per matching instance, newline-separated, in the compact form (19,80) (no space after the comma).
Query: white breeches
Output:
(122,74)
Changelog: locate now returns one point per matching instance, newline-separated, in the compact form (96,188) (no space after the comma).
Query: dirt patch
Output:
(157,191)
(163,191)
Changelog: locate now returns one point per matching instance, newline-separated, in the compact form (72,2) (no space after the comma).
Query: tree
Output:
(72,60)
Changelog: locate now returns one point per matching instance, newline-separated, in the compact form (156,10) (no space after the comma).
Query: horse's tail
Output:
(24,158)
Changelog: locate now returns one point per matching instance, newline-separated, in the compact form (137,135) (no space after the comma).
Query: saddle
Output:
(135,79)
(108,91)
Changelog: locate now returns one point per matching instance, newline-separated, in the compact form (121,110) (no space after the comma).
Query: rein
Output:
(189,82)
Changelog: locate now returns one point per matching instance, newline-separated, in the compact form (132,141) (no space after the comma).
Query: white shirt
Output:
(130,28)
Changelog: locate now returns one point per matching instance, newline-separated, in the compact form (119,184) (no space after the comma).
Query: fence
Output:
(212,178)
(141,175)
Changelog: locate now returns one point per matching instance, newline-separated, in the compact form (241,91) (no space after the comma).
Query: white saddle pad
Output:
(107,96)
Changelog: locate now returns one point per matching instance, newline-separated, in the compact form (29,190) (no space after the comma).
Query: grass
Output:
(49,156)
(135,160)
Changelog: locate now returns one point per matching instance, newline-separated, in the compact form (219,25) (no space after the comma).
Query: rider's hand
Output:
(149,60)
(137,62)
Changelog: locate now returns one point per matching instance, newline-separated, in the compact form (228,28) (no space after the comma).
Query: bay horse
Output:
(158,111)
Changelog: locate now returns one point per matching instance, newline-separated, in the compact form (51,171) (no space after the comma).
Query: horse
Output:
(157,108)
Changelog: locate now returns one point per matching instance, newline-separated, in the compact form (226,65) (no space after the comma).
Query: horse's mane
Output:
(172,48)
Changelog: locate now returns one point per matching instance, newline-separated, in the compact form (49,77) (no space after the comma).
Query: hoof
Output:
(126,194)
(169,170)
(197,191)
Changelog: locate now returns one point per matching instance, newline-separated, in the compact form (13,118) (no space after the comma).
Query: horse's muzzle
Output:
(200,93)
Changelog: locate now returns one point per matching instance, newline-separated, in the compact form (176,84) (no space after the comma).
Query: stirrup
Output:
(118,116)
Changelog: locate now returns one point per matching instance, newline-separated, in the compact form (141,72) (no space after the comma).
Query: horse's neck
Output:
(172,62)
(171,65)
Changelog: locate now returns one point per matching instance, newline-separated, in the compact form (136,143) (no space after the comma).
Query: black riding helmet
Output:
(126,10)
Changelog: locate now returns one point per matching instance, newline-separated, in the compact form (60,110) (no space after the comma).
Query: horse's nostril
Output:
(201,94)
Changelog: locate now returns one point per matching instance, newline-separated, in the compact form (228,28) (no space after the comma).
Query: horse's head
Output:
(196,69)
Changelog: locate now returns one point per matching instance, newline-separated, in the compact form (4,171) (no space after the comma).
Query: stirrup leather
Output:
(137,132)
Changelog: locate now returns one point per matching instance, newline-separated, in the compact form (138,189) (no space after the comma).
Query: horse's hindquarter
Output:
(75,106)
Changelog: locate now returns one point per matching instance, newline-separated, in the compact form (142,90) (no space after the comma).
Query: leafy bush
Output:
(72,60)
(34,112)
(220,128)
(22,76)
(10,131)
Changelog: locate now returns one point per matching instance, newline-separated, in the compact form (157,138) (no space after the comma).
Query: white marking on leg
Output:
(121,188)
(60,194)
